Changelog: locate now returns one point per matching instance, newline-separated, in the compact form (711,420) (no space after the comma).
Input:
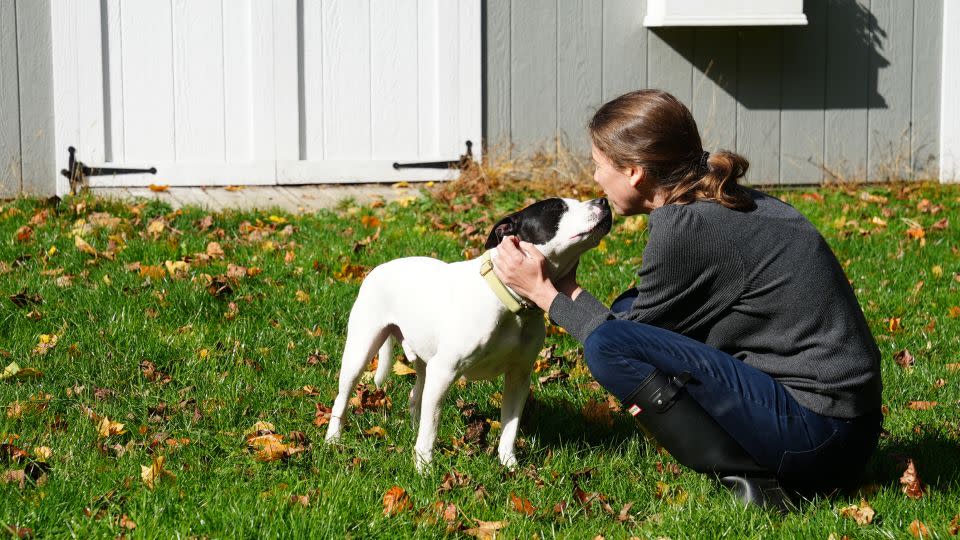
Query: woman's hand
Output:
(521,266)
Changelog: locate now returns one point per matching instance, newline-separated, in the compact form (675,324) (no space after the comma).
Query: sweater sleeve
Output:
(689,274)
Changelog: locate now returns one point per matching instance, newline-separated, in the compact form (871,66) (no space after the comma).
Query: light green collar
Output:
(497,286)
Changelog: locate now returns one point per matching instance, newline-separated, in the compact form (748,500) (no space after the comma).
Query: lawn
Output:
(176,366)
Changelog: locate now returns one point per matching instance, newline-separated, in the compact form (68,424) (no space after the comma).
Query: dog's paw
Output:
(421,461)
(509,462)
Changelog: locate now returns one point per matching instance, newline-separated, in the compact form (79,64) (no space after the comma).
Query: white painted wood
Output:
(427,64)
(352,171)
(149,114)
(470,103)
(346,79)
(198,80)
(213,173)
(113,87)
(215,92)
(237,87)
(263,104)
(724,13)
(286,79)
(950,95)
(393,68)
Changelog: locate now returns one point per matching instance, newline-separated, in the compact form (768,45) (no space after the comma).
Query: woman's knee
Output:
(610,363)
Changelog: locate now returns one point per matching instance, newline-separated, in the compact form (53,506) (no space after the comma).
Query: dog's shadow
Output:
(936,459)
(556,421)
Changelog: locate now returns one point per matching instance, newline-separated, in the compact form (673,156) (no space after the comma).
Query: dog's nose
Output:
(603,203)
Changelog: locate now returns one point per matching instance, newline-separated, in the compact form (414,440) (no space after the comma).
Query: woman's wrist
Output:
(545,295)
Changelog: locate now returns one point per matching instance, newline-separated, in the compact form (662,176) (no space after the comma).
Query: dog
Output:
(458,319)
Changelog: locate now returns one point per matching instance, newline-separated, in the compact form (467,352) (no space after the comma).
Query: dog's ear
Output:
(504,227)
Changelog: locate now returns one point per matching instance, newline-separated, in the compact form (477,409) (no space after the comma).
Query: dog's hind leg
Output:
(439,377)
(416,394)
(362,342)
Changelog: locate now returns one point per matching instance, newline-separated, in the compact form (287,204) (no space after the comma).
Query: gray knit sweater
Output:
(761,285)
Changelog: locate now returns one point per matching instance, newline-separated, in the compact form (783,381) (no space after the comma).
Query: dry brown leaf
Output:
(485,530)
(954,525)
(918,529)
(402,369)
(83,246)
(863,514)
(904,359)
(108,428)
(322,415)
(912,485)
(395,500)
(524,506)
(376,431)
(921,405)
(158,187)
(453,479)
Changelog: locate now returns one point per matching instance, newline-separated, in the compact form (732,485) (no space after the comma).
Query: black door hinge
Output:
(77,173)
(461,163)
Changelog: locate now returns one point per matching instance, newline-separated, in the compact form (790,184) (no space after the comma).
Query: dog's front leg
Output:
(516,387)
(439,377)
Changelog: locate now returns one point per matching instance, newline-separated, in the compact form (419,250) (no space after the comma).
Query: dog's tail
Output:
(384,361)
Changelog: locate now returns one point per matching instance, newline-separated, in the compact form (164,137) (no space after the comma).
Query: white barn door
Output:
(222,92)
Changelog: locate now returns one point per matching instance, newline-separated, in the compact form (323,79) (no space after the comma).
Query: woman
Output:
(742,349)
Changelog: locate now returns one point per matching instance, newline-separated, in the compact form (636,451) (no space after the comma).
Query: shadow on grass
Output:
(935,457)
(557,421)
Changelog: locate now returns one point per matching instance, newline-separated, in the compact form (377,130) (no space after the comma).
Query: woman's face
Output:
(626,190)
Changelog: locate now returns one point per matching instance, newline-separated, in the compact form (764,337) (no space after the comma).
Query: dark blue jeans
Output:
(802,448)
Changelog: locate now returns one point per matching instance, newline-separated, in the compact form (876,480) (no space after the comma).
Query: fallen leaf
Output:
(402,369)
(912,485)
(127,523)
(954,525)
(485,530)
(918,529)
(322,415)
(377,432)
(47,342)
(108,428)
(863,514)
(158,187)
(83,246)
(904,359)
(153,473)
(921,405)
(453,479)
(14,371)
(893,324)
(18,532)
(524,506)
(395,500)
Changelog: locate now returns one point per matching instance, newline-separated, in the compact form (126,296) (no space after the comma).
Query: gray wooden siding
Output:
(26,99)
(853,95)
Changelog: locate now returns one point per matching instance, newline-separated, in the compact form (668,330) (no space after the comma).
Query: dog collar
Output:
(497,286)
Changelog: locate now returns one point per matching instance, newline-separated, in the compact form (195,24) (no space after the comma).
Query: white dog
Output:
(456,319)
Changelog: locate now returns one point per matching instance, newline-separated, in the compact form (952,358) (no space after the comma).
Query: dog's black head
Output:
(562,229)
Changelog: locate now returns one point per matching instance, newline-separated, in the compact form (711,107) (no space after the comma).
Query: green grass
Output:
(230,367)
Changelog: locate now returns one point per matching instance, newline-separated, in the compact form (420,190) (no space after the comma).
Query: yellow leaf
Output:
(279,220)
(51,251)
(399,368)
(108,427)
(150,474)
(376,431)
(233,188)
(401,184)
(937,271)
(47,342)
(158,187)
(42,453)
(83,246)
(862,514)
(302,296)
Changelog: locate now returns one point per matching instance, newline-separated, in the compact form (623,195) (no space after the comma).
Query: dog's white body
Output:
(450,323)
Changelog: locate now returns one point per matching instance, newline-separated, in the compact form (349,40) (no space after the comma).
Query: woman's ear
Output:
(636,176)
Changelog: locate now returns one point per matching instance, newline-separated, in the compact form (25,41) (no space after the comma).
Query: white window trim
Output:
(724,13)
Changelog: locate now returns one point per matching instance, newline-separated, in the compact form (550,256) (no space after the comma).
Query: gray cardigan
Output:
(761,285)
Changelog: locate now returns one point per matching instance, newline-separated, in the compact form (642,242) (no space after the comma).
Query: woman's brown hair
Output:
(654,130)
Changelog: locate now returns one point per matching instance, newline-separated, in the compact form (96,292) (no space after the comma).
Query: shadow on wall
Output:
(832,63)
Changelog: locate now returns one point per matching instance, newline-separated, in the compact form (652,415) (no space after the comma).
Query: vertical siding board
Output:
(149,113)
(286,83)
(313,89)
(758,95)
(578,69)
(925,106)
(801,116)
(714,103)
(845,141)
(261,77)
(198,80)
(428,133)
(113,84)
(35,71)
(469,64)
(624,47)
(346,78)
(496,77)
(237,96)
(533,100)
(448,84)
(393,61)
(668,68)
(9,103)
(891,69)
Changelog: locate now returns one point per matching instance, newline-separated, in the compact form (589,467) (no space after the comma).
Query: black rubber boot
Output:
(664,408)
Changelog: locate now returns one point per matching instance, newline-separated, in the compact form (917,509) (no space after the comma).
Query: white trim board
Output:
(950,94)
